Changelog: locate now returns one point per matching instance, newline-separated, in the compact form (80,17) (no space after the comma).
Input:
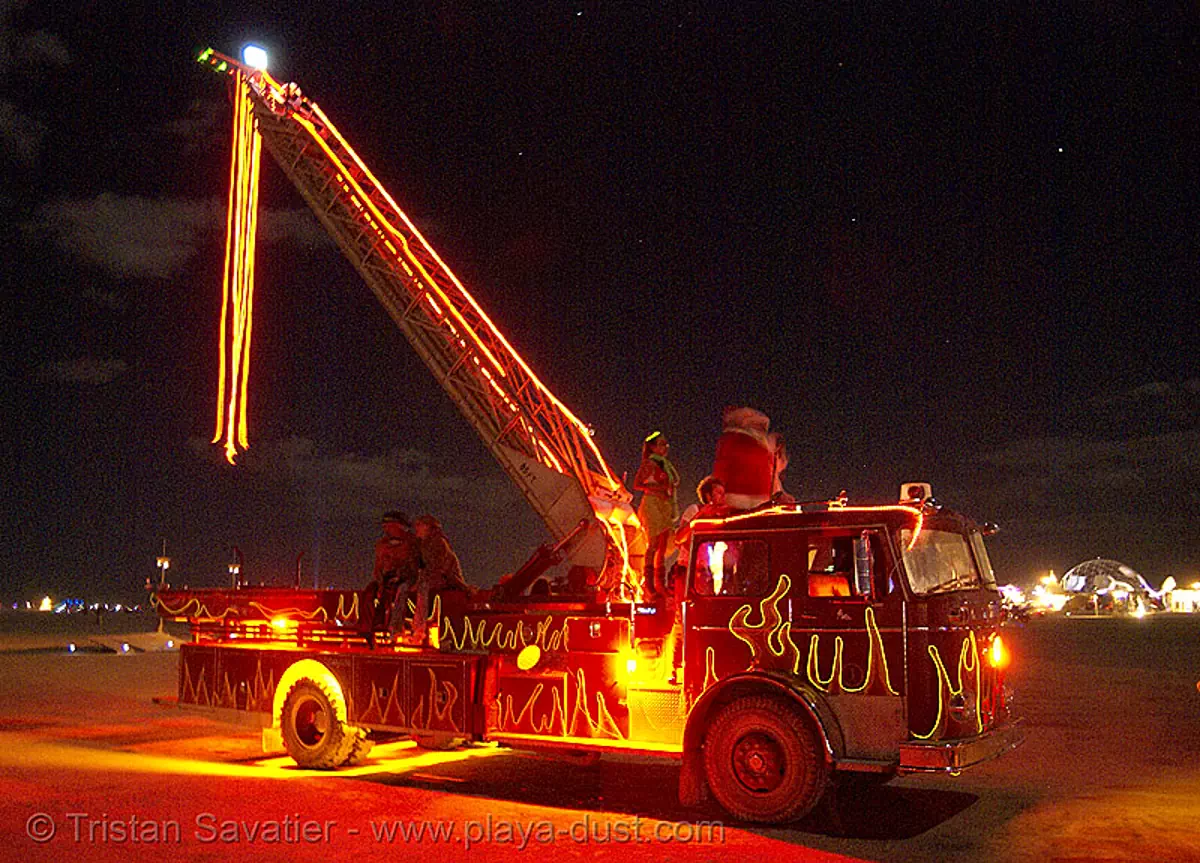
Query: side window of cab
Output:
(732,567)
(847,565)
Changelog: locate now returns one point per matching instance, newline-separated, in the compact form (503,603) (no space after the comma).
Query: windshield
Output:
(939,561)
(981,558)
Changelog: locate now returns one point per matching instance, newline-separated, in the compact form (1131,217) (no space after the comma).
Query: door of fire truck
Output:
(818,608)
(849,621)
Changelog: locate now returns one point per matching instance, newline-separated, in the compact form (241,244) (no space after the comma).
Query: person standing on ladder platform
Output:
(658,480)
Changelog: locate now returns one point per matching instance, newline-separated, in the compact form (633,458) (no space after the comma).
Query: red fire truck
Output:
(810,642)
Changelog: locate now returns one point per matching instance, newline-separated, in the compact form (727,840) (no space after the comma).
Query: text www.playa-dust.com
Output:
(208,828)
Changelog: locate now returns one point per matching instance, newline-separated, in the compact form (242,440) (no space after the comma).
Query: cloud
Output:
(204,121)
(1149,392)
(353,485)
(110,300)
(87,370)
(28,52)
(1175,450)
(20,134)
(138,237)
(37,50)
(292,226)
(132,236)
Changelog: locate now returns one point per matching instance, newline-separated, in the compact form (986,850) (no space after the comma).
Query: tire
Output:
(359,749)
(312,734)
(763,762)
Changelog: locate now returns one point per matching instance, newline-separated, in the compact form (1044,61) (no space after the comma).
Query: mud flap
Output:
(693,787)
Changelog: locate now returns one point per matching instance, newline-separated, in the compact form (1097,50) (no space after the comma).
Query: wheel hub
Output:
(758,763)
(312,722)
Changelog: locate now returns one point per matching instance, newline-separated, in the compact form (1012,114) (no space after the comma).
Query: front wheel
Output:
(763,762)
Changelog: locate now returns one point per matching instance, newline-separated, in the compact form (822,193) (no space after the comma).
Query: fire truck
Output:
(811,645)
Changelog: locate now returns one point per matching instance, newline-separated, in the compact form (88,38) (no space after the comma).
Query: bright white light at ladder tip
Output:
(255,57)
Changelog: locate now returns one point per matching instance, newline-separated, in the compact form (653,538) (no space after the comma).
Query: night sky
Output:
(933,244)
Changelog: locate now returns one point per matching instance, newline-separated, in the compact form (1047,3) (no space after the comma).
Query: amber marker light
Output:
(998,654)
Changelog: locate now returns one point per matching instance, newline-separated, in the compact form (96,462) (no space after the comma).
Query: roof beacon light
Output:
(255,56)
(918,492)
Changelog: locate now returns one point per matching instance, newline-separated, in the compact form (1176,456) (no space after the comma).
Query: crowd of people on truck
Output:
(747,468)
(414,562)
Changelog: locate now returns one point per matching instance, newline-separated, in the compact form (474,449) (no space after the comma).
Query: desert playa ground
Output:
(1110,771)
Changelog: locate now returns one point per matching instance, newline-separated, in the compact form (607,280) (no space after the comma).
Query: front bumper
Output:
(950,756)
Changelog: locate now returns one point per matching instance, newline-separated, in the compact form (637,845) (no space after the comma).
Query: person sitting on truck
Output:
(779,497)
(711,494)
(658,480)
(441,573)
(397,562)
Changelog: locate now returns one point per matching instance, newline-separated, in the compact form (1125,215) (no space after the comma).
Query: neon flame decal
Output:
(442,716)
(197,610)
(968,664)
(874,649)
(579,722)
(474,636)
(374,711)
(710,668)
(772,636)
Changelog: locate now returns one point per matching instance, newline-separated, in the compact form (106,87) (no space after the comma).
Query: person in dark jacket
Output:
(397,564)
(440,571)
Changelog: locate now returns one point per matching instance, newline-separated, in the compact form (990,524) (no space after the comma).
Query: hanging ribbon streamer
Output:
(237,301)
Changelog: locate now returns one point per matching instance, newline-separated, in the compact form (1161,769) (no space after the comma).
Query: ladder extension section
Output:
(524,425)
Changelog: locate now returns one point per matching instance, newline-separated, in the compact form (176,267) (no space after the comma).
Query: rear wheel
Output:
(763,762)
(359,750)
(312,733)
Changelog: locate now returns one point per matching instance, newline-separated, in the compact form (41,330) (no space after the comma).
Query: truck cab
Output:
(824,640)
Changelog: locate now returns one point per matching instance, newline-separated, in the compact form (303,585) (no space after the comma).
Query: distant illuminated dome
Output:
(1100,576)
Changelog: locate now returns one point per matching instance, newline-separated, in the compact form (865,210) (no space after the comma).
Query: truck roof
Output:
(831,514)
